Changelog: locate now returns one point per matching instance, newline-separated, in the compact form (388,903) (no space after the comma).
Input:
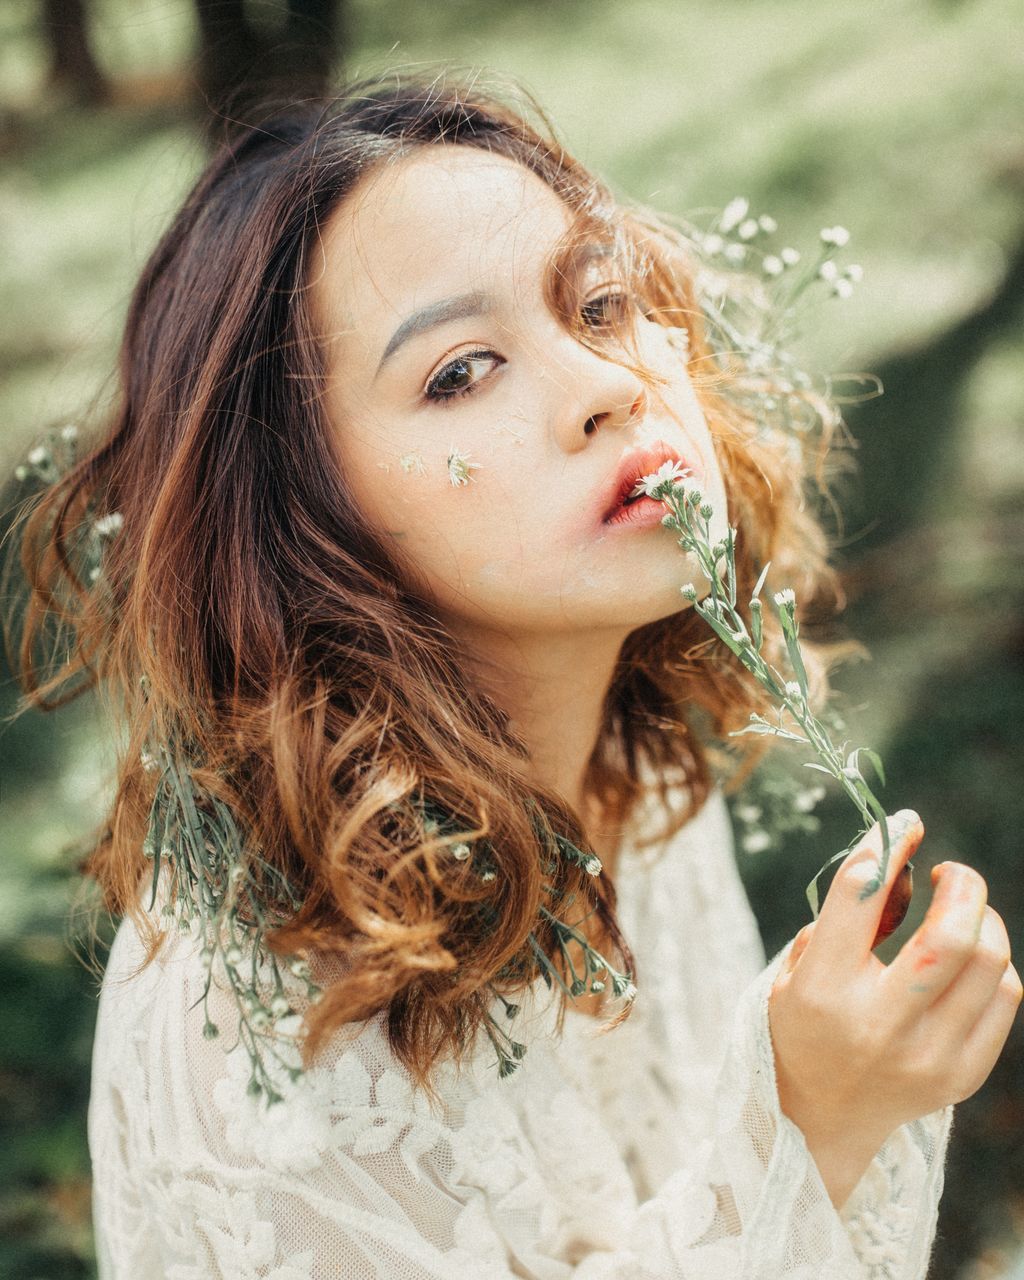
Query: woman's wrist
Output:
(843,1161)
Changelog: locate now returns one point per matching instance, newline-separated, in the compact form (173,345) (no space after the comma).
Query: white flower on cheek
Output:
(459,467)
(412,463)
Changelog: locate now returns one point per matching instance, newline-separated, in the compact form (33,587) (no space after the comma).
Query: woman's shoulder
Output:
(177,1090)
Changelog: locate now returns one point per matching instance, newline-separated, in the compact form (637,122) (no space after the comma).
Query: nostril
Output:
(590,427)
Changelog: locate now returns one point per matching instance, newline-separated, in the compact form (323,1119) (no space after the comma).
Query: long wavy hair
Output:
(247,608)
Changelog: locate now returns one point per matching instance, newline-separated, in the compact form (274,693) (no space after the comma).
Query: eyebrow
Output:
(438,313)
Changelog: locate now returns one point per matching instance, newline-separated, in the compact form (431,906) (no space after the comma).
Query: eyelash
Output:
(446,398)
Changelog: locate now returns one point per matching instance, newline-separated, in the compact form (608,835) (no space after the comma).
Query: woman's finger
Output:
(848,921)
(798,948)
(985,1041)
(943,945)
(957,1009)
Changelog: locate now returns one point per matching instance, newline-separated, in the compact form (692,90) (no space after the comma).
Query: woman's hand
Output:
(861,1047)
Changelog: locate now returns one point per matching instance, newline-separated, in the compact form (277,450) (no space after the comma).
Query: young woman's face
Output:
(441,345)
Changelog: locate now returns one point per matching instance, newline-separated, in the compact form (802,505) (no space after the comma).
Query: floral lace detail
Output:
(882,1215)
(201,1209)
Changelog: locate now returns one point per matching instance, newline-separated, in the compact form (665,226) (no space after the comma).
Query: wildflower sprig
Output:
(690,517)
(589,971)
(752,292)
(224,893)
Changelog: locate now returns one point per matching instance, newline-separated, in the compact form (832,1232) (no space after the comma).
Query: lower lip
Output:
(642,514)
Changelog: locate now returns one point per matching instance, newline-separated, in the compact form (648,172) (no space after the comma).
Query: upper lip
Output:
(632,467)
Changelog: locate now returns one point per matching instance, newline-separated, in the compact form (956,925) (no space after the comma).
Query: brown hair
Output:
(247,610)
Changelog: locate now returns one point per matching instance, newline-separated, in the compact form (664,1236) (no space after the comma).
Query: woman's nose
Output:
(598,394)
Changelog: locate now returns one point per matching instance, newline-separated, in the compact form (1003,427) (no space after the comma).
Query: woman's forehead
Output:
(439,217)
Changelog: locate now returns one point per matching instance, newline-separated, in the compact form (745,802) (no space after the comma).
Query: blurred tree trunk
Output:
(241,62)
(73,67)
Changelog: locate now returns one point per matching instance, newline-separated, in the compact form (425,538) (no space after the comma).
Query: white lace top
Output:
(654,1152)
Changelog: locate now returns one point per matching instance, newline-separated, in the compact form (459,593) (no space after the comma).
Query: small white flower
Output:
(38,456)
(233,955)
(793,690)
(734,213)
(689,591)
(460,852)
(148,762)
(828,271)
(412,463)
(748,812)
(784,597)
(668,473)
(735,252)
(592,864)
(487,875)
(106,526)
(772,265)
(279,1006)
(835,235)
(756,841)
(69,433)
(20,471)
(459,467)
(854,272)
(747,229)
(804,801)
(713,244)
(767,224)
(790,256)
(94,572)
(842,288)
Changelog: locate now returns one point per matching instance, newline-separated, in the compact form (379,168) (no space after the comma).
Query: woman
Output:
(390,382)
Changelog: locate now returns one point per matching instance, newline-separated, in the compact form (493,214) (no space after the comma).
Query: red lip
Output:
(635,465)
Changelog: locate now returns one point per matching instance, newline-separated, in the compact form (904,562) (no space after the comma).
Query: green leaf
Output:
(875,759)
(760,582)
(812,889)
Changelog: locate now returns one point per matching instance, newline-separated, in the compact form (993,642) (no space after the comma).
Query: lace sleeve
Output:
(773,1217)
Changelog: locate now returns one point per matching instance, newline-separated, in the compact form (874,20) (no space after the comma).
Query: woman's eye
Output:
(461,376)
(612,307)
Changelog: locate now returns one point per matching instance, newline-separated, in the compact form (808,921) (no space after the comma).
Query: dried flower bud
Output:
(734,212)
(689,591)
(756,841)
(837,236)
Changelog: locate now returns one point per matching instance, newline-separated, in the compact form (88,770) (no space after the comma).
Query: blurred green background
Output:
(900,120)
